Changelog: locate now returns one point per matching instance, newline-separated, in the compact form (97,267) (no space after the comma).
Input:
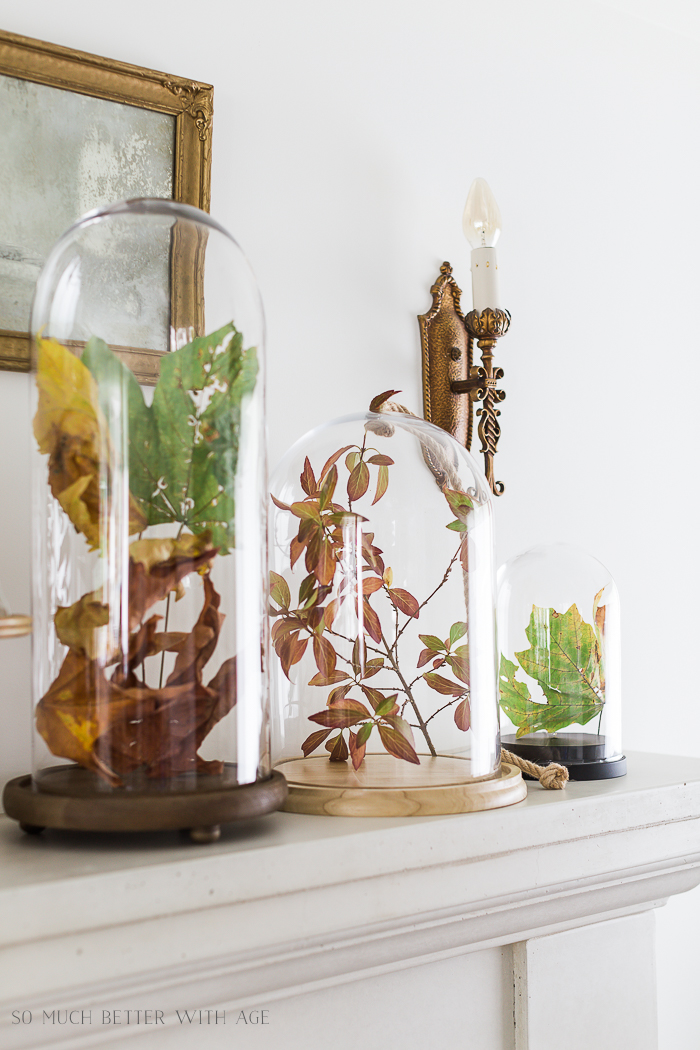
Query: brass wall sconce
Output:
(451,380)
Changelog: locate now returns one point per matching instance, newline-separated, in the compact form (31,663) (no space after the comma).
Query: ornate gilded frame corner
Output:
(190,103)
(447,350)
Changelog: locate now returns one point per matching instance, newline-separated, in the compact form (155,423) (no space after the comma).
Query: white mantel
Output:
(494,930)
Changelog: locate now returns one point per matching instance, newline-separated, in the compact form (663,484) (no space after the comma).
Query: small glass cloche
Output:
(559,638)
(383,622)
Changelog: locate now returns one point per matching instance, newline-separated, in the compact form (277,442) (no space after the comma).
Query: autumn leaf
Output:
(381,460)
(290,651)
(313,741)
(358,482)
(341,714)
(371,621)
(462,715)
(373,666)
(370,584)
(340,751)
(376,403)
(339,693)
(443,685)
(71,429)
(396,743)
(78,627)
(333,459)
(373,695)
(308,481)
(114,729)
(459,664)
(307,509)
(324,655)
(357,750)
(424,656)
(279,590)
(404,601)
(328,488)
(331,679)
(382,483)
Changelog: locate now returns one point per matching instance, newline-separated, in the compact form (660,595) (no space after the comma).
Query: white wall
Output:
(346,136)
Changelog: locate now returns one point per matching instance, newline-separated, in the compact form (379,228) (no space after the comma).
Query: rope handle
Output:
(553,776)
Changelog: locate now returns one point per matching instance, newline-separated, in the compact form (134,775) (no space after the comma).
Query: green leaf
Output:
(388,706)
(117,387)
(457,526)
(564,659)
(459,502)
(435,644)
(196,409)
(363,733)
(529,716)
(279,590)
(457,631)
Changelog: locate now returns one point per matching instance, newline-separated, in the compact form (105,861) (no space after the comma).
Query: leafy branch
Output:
(327,587)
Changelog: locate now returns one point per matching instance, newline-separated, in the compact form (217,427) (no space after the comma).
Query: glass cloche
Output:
(151,703)
(383,622)
(559,637)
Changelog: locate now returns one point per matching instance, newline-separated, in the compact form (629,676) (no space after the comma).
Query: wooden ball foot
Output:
(206,835)
(32,829)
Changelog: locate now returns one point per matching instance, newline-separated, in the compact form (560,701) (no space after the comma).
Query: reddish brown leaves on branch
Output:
(357,750)
(462,715)
(443,685)
(314,741)
(358,482)
(340,714)
(404,601)
(321,537)
(396,742)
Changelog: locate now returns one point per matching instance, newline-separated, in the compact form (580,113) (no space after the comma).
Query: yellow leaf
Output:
(70,428)
(84,730)
(79,627)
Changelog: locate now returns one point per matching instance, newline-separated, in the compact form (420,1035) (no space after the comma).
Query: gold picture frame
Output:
(188,102)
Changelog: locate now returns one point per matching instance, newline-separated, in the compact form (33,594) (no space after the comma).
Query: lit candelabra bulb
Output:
(481,223)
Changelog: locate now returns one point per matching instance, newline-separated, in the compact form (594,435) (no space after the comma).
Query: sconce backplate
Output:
(447,350)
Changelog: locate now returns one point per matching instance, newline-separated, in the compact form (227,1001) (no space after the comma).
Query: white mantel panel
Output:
(595,988)
(304,906)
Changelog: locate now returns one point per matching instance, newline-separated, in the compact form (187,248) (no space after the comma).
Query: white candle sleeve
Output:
(485,290)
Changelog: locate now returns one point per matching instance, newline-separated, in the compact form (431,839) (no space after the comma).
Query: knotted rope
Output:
(553,776)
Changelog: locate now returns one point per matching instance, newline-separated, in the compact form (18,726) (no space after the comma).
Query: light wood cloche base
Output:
(385,787)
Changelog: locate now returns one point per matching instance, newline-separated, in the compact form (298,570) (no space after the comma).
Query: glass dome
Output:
(150,536)
(559,636)
(382,610)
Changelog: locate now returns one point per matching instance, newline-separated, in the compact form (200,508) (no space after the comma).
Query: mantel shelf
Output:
(225,920)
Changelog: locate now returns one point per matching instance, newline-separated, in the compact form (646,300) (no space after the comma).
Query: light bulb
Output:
(481,221)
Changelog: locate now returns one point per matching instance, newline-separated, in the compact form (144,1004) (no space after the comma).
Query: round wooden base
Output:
(74,799)
(385,787)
